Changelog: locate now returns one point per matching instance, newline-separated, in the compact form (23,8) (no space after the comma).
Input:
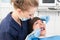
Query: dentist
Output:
(15,25)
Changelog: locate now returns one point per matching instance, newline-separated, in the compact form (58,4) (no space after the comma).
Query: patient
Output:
(37,30)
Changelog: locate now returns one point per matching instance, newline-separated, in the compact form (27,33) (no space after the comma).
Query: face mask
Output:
(24,19)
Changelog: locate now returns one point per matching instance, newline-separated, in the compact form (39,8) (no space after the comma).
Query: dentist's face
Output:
(41,25)
(29,13)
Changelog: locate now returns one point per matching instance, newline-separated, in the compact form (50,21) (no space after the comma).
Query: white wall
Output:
(5,8)
(57,24)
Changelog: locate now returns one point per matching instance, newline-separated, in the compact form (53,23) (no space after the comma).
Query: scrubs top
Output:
(11,30)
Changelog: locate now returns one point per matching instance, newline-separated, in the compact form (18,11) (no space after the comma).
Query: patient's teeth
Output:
(42,28)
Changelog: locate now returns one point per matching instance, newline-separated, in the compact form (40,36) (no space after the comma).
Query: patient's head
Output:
(36,23)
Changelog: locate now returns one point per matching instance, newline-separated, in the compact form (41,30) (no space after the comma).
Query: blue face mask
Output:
(24,19)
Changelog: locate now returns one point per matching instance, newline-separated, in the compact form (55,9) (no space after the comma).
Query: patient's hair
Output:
(24,4)
(31,22)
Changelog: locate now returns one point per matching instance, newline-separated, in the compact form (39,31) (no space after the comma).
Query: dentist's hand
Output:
(34,34)
(45,18)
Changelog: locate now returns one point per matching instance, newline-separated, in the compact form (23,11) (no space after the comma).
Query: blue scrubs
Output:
(11,30)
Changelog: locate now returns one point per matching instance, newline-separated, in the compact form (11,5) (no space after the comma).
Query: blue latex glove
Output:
(35,33)
(45,18)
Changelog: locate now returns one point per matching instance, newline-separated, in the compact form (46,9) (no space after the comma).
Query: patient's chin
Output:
(43,33)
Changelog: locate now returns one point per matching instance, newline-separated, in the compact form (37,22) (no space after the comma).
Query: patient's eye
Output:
(36,23)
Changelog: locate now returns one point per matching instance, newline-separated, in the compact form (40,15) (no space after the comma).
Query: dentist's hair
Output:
(24,4)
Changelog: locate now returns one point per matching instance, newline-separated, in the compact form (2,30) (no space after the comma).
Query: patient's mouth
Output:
(42,28)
